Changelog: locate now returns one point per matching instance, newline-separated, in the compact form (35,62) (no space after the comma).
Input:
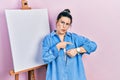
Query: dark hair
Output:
(65,13)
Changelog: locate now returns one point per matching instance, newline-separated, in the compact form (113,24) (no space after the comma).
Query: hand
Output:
(82,50)
(72,52)
(62,45)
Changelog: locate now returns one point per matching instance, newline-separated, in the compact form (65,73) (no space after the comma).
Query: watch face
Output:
(78,49)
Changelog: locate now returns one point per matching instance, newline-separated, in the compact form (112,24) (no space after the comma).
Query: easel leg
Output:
(31,75)
(16,76)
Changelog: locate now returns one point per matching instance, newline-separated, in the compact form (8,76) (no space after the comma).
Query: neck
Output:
(60,34)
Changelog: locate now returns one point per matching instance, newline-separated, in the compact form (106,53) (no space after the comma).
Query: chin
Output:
(62,32)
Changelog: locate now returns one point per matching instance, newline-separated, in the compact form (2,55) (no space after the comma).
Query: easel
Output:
(25,5)
(31,72)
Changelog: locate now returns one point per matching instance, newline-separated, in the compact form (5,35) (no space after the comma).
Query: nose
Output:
(64,24)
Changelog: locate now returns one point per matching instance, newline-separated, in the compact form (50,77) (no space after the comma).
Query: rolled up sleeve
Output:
(87,44)
(49,53)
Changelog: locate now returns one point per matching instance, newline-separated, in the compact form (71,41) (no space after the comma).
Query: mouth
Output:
(63,30)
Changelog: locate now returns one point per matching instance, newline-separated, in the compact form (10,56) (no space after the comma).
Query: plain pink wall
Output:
(99,20)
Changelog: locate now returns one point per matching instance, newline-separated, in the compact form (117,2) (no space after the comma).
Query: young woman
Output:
(63,51)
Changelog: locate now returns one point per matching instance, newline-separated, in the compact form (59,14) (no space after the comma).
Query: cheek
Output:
(67,28)
(58,26)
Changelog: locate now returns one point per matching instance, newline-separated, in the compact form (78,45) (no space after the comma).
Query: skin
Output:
(62,25)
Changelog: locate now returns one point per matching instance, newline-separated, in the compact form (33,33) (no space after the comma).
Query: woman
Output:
(63,51)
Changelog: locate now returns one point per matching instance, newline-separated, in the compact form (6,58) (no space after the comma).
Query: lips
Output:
(63,30)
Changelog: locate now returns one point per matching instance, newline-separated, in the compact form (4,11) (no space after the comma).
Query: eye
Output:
(62,22)
(67,24)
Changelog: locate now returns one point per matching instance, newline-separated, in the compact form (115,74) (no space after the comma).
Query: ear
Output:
(56,21)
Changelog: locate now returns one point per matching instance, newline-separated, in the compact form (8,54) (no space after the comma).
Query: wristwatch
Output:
(78,50)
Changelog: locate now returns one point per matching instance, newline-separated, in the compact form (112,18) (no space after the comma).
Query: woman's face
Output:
(62,25)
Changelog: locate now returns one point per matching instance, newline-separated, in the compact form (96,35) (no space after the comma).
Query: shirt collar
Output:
(53,33)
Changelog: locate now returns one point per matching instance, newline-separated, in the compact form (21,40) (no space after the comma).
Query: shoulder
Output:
(47,37)
(78,36)
(50,35)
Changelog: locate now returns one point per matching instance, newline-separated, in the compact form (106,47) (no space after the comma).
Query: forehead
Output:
(65,19)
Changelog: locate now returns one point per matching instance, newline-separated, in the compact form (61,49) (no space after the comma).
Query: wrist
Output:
(78,50)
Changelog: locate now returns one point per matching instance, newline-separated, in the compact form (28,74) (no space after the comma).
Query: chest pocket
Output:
(72,40)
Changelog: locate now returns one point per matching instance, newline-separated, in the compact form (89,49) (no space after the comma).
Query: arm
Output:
(83,45)
(88,45)
(49,50)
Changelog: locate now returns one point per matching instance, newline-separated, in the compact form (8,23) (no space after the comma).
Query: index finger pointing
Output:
(68,43)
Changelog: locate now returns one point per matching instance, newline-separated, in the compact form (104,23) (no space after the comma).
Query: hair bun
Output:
(67,10)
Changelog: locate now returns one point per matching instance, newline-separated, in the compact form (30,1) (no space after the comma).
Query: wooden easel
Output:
(31,73)
(25,5)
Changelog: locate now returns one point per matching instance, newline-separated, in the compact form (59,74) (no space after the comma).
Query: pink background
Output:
(99,20)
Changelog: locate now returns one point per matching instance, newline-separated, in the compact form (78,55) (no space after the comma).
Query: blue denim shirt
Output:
(61,66)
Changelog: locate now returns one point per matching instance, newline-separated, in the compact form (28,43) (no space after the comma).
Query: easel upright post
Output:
(16,76)
(25,5)
(31,75)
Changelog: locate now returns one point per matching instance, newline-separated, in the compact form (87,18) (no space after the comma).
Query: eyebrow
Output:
(65,22)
